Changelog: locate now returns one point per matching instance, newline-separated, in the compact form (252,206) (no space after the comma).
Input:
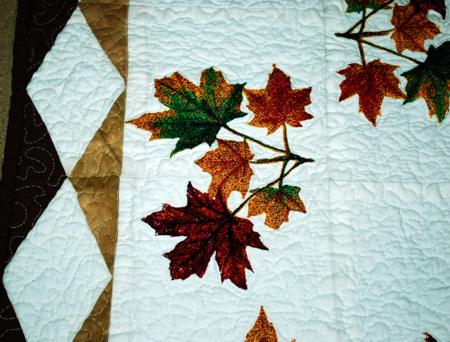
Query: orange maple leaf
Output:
(278,103)
(229,167)
(372,83)
(147,121)
(412,28)
(276,203)
(262,330)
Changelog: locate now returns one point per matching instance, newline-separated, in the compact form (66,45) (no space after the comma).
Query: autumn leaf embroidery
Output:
(372,83)
(435,5)
(431,81)
(196,112)
(278,104)
(276,203)
(229,167)
(195,115)
(210,228)
(412,28)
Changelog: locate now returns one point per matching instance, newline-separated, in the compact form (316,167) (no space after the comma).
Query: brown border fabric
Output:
(7,22)
(32,171)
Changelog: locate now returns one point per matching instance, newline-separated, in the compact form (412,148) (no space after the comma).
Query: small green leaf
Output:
(290,190)
(359,5)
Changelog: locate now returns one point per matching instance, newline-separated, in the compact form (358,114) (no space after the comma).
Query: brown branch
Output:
(256,141)
(390,51)
(385,5)
(242,205)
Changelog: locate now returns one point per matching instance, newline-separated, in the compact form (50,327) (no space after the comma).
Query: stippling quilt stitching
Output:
(362,255)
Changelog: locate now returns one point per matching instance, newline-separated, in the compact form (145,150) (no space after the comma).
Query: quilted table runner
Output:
(228,170)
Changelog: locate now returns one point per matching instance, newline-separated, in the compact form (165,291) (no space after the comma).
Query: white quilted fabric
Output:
(370,260)
(74,89)
(58,272)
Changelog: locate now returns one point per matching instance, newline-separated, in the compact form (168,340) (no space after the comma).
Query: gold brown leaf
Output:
(229,167)
(412,28)
(276,203)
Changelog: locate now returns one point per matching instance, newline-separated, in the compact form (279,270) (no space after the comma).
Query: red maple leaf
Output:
(372,82)
(210,228)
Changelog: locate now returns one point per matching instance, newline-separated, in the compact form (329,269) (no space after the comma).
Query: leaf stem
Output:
(285,139)
(279,159)
(361,30)
(256,141)
(369,15)
(283,169)
(390,51)
(285,162)
(288,155)
(242,205)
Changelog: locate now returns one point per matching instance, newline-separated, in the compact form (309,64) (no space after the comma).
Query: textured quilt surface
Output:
(227,170)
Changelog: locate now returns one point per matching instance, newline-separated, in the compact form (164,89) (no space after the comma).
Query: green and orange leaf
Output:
(196,113)
(147,122)
(372,83)
(412,28)
(229,167)
(278,103)
(276,204)
(431,81)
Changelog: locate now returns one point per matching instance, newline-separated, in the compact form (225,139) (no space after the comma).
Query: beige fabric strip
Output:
(96,326)
(108,20)
(96,176)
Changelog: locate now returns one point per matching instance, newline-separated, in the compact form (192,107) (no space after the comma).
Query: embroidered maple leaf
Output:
(412,28)
(262,330)
(428,337)
(372,83)
(229,167)
(276,203)
(435,5)
(431,81)
(196,113)
(359,5)
(278,104)
(210,228)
